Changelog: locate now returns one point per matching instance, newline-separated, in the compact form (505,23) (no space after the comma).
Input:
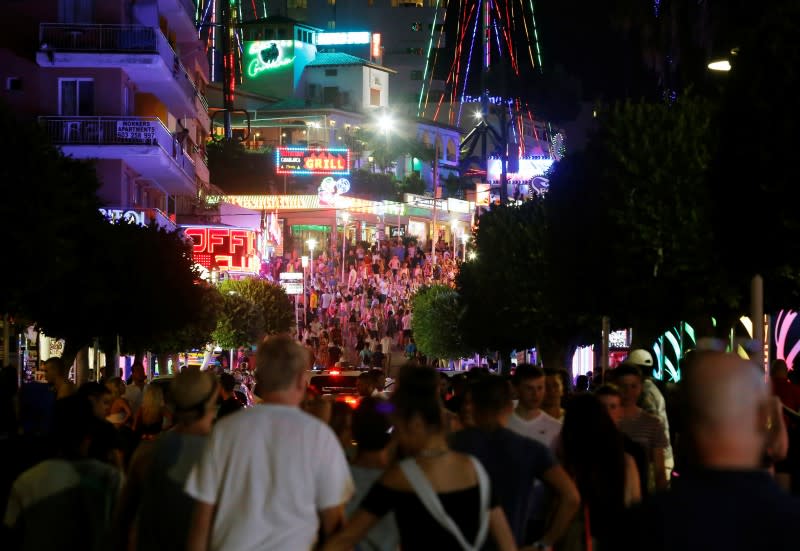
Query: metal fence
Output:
(118,131)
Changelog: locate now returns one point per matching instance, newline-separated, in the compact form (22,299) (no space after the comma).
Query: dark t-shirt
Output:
(418,529)
(639,455)
(513,462)
(709,510)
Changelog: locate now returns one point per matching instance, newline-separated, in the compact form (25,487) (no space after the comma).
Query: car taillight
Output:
(351,401)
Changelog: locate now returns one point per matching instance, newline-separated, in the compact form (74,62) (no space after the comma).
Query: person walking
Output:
(271,476)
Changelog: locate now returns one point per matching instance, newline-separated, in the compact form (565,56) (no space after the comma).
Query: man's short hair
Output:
(525,372)
(58,364)
(608,389)
(627,369)
(279,360)
(490,395)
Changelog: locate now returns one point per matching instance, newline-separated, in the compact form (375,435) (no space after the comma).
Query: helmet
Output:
(640,357)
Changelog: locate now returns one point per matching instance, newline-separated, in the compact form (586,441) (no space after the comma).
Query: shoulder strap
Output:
(423,489)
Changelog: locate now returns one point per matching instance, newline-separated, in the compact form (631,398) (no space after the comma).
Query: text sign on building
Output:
(425,202)
(231,249)
(136,130)
(292,282)
(301,160)
(341,39)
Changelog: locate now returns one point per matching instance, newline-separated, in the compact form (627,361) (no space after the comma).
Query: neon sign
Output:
(301,160)
(529,169)
(339,39)
(231,249)
(330,191)
(265,55)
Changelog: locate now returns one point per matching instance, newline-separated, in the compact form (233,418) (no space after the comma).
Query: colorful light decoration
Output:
(330,190)
(302,160)
(266,55)
(529,168)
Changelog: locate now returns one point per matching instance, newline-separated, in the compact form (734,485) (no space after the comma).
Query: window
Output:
(331,72)
(331,25)
(416,75)
(13,84)
(76,97)
(76,11)
(375,97)
(330,95)
(297,4)
(331,2)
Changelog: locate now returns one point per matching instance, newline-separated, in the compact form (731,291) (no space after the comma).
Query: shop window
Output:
(374,97)
(76,97)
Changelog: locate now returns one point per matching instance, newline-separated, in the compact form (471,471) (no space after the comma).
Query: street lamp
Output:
(311,242)
(345,219)
(304,263)
(464,239)
(453,228)
(720,65)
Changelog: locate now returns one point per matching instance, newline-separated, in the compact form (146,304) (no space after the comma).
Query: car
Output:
(340,385)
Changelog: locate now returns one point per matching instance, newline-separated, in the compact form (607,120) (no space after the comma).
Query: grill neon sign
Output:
(302,160)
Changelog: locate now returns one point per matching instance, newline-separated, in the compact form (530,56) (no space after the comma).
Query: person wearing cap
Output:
(158,472)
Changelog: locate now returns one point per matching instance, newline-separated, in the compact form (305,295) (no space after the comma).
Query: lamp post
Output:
(464,239)
(453,228)
(304,263)
(345,219)
(312,243)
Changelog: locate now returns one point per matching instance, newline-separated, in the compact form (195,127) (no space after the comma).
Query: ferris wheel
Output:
(480,52)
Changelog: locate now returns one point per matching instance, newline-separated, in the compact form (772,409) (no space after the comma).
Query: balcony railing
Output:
(141,39)
(118,131)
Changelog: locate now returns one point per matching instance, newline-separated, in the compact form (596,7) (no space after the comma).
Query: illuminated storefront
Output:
(223,248)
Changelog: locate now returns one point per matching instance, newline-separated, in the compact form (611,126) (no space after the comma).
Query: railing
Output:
(140,39)
(118,131)
(97,38)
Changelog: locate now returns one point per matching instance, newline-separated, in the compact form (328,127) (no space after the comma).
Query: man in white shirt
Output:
(528,418)
(272,474)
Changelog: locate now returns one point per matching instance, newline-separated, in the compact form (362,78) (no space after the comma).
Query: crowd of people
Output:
(365,316)
(480,461)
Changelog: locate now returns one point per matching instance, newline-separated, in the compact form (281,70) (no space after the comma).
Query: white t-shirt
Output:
(269,470)
(543,428)
(386,345)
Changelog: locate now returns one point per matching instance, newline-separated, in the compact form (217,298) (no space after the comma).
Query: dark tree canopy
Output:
(437,312)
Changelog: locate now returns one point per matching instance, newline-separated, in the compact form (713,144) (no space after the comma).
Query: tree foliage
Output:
(437,311)
(272,302)
(635,208)
(511,293)
(240,323)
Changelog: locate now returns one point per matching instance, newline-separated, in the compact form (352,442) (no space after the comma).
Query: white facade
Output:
(355,87)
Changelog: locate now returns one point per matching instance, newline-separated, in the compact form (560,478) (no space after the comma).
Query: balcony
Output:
(201,165)
(181,15)
(144,143)
(142,52)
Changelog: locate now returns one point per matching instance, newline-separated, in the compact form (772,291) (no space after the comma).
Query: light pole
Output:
(304,263)
(464,239)
(345,219)
(453,228)
(311,244)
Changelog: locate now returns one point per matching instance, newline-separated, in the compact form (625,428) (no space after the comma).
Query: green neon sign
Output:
(266,55)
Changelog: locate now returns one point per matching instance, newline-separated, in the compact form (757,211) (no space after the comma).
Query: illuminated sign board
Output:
(340,39)
(301,160)
(425,202)
(265,55)
(619,339)
(529,169)
(330,191)
(292,282)
(376,46)
(231,249)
